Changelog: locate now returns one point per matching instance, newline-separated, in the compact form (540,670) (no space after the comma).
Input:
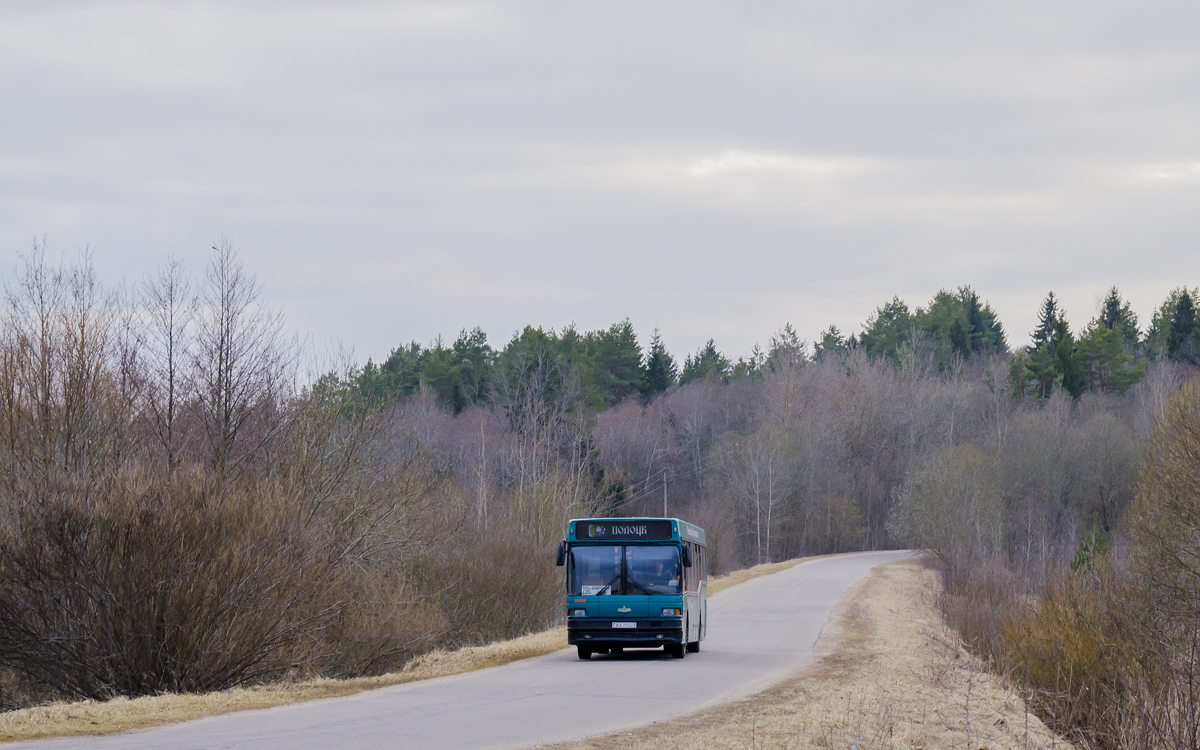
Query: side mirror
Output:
(562,554)
(687,557)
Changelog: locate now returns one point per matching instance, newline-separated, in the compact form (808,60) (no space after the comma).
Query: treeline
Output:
(183,508)
(1109,354)
(609,364)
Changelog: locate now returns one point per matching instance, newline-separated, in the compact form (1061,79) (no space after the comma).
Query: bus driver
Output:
(659,574)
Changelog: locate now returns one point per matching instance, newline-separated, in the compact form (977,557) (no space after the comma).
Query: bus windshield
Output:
(620,569)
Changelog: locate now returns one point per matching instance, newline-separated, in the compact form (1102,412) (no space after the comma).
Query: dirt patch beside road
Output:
(887,673)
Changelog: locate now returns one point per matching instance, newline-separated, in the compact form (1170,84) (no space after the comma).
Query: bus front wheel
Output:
(693,647)
(584,652)
(676,650)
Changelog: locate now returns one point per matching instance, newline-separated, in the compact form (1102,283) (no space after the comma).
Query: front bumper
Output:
(650,631)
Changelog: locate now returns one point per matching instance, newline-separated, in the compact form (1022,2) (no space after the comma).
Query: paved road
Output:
(758,633)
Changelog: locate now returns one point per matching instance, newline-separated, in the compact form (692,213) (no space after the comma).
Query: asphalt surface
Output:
(759,632)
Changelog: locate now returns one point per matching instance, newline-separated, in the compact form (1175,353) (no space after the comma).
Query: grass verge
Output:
(887,673)
(64,719)
(718,584)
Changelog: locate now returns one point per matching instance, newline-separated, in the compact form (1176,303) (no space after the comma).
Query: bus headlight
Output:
(669,612)
(578,613)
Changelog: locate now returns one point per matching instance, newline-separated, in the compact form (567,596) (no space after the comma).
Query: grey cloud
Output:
(397,170)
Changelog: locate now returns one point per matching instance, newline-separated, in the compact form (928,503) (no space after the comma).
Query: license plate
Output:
(624,624)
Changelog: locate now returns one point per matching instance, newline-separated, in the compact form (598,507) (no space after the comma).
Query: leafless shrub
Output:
(499,585)
(131,590)
(383,623)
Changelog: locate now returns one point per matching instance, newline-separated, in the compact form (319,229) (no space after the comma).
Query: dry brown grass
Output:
(720,583)
(120,714)
(888,673)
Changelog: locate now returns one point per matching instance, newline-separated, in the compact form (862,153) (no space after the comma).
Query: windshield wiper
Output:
(628,579)
(632,582)
(615,578)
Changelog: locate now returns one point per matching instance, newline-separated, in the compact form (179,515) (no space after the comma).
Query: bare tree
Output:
(542,395)
(242,361)
(33,313)
(754,472)
(60,333)
(170,310)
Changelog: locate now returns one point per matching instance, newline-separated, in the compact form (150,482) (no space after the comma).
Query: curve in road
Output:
(759,632)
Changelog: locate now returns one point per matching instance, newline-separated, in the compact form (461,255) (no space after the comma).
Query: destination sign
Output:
(624,530)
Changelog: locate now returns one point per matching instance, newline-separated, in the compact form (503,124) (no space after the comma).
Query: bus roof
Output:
(633,530)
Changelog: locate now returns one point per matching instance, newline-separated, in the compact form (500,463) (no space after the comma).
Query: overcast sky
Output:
(393,171)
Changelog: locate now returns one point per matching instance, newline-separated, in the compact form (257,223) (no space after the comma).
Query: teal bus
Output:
(635,583)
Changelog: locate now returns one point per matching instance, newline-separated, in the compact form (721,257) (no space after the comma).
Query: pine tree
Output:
(886,330)
(787,349)
(1158,341)
(987,334)
(475,359)
(615,364)
(1068,359)
(1042,367)
(958,326)
(1047,322)
(1104,359)
(707,362)
(1183,326)
(1053,360)
(660,372)
(1116,314)
(960,338)
(832,341)
(974,315)
(751,366)
(1020,374)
